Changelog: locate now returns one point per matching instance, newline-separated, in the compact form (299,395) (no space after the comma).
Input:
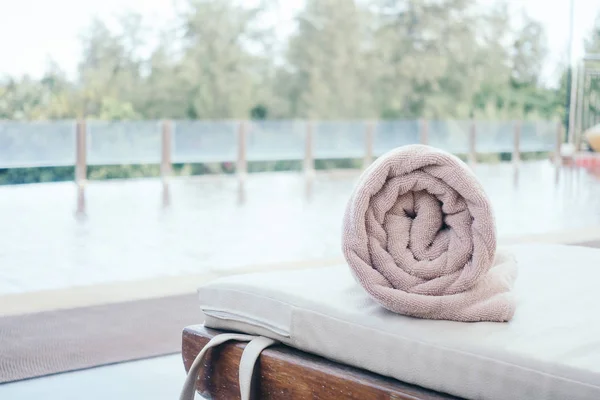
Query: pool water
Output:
(128,234)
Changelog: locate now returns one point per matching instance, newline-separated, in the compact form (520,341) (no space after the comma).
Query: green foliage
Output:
(97,172)
(259,112)
(443,59)
(342,163)
(115,110)
(591,106)
(35,175)
(281,165)
(345,60)
(592,42)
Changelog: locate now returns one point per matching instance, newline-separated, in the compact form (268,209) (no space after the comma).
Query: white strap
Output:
(249,356)
(189,387)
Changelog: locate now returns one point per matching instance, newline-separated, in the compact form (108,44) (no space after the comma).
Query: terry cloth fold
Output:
(420,237)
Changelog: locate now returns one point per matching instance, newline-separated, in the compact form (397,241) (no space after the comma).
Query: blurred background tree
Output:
(345,59)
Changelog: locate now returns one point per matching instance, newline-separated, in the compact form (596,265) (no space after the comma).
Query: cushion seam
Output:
(296,308)
(449,349)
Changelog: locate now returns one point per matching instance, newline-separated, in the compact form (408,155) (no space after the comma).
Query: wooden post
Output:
(516,154)
(579,108)
(557,145)
(369,133)
(242,162)
(585,122)
(572,104)
(166,167)
(81,164)
(423,131)
(472,145)
(309,162)
(557,155)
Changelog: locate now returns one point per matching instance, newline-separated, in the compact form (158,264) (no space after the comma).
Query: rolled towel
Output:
(420,237)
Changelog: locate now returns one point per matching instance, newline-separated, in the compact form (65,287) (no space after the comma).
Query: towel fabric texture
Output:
(419,235)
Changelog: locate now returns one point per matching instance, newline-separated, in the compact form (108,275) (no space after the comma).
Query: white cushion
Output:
(550,350)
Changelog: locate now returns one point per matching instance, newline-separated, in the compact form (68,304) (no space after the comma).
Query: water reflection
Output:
(220,222)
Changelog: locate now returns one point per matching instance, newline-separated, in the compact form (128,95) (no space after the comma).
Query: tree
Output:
(428,56)
(529,52)
(51,97)
(592,84)
(592,41)
(347,59)
(215,61)
(515,56)
(163,92)
(326,62)
(110,66)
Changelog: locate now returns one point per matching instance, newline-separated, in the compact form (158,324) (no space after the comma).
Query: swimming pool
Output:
(127,234)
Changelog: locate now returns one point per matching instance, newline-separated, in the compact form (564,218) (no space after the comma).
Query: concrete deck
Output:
(158,378)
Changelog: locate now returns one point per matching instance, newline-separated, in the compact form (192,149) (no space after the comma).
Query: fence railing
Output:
(38,144)
(84,143)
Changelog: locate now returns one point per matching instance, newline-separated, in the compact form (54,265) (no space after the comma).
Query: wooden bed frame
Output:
(284,373)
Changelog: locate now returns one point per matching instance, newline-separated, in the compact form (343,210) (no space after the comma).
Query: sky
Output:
(34,31)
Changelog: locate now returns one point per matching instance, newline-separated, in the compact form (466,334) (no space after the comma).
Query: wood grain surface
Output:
(286,373)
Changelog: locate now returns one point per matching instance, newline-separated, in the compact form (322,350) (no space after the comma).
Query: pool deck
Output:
(129,246)
(159,378)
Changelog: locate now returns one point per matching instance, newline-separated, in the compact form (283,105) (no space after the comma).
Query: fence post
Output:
(369,132)
(472,145)
(516,154)
(557,155)
(166,168)
(557,145)
(80,163)
(423,131)
(579,108)
(241,165)
(309,162)
(572,104)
